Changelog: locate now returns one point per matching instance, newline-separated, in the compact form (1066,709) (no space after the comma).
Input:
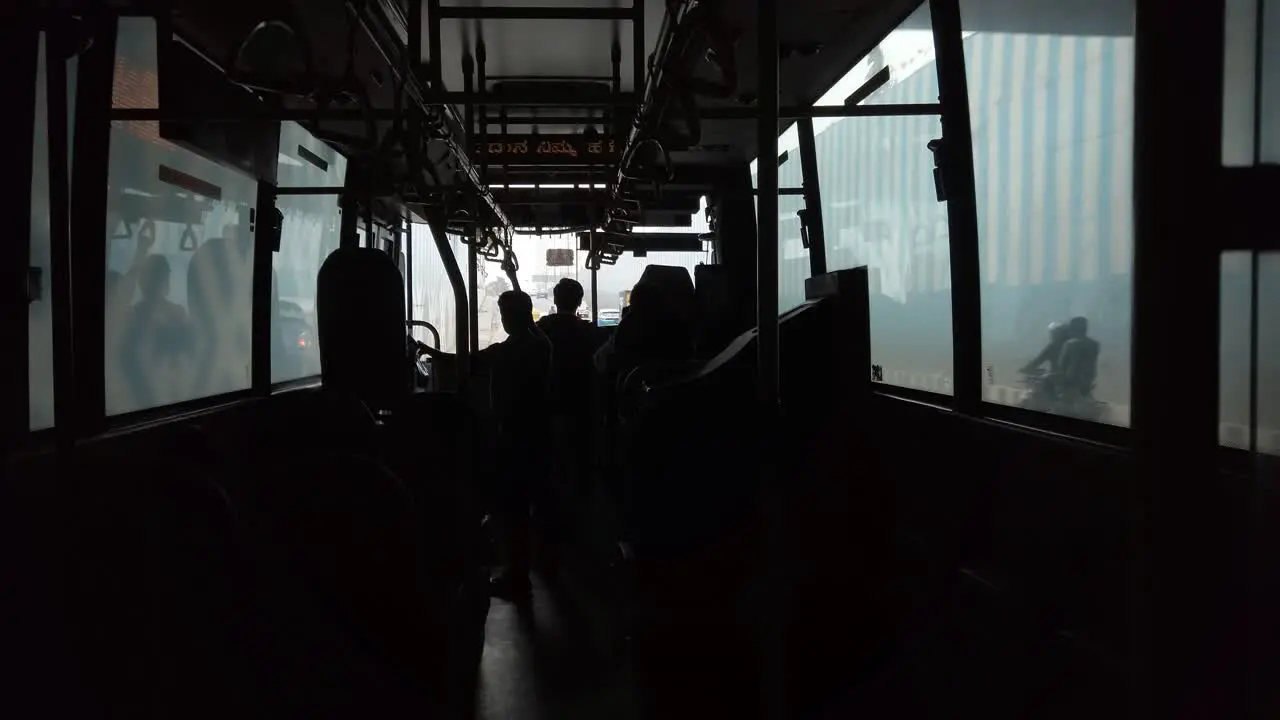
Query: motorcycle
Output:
(1040,396)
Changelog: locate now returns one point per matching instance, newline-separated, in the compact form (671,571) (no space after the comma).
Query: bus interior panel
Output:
(639,359)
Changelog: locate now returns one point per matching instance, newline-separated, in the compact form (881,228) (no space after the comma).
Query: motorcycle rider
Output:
(1078,362)
(1052,353)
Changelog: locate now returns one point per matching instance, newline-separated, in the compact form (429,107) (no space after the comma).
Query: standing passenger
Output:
(519,394)
(573,341)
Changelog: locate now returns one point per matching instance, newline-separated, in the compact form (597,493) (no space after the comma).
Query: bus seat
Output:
(839,512)
(361,315)
(158,592)
(720,317)
(422,442)
(685,444)
(350,527)
(676,287)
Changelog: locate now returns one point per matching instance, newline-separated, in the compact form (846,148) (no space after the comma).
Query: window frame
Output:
(79,377)
(964,246)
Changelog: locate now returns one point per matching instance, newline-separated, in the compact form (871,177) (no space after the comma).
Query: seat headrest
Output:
(675,285)
(360,310)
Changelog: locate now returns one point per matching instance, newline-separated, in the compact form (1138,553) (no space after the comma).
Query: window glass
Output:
(311,230)
(305,161)
(880,209)
(1240,82)
(432,295)
(1238,354)
(179,260)
(1267,353)
(793,257)
(1051,101)
(1251,84)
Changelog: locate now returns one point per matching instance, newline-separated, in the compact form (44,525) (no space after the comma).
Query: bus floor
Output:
(540,663)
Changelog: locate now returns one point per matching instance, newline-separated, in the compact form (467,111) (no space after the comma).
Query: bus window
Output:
(311,229)
(880,208)
(1051,100)
(179,255)
(1251,83)
(1238,354)
(431,294)
(793,258)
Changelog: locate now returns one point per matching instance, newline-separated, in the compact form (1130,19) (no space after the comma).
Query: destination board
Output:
(548,149)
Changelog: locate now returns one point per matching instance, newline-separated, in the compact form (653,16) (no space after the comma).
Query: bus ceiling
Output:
(435,102)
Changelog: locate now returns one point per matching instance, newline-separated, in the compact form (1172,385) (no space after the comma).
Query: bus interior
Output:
(252,455)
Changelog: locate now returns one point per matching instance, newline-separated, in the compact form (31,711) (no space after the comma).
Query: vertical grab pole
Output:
(812,198)
(408,266)
(469,120)
(962,206)
(773,647)
(473,261)
(767,247)
(439,225)
(595,296)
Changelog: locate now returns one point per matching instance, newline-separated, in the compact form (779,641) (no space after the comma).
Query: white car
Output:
(609,317)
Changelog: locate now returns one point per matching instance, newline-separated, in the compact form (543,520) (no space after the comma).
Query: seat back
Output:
(159,596)
(361,313)
(349,526)
(839,512)
(676,288)
(721,318)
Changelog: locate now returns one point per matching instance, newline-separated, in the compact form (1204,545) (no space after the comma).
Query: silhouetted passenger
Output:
(573,341)
(519,371)
(158,337)
(1078,363)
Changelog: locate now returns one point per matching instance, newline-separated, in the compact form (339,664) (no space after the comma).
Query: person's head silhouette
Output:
(567,295)
(153,278)
(516,309)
